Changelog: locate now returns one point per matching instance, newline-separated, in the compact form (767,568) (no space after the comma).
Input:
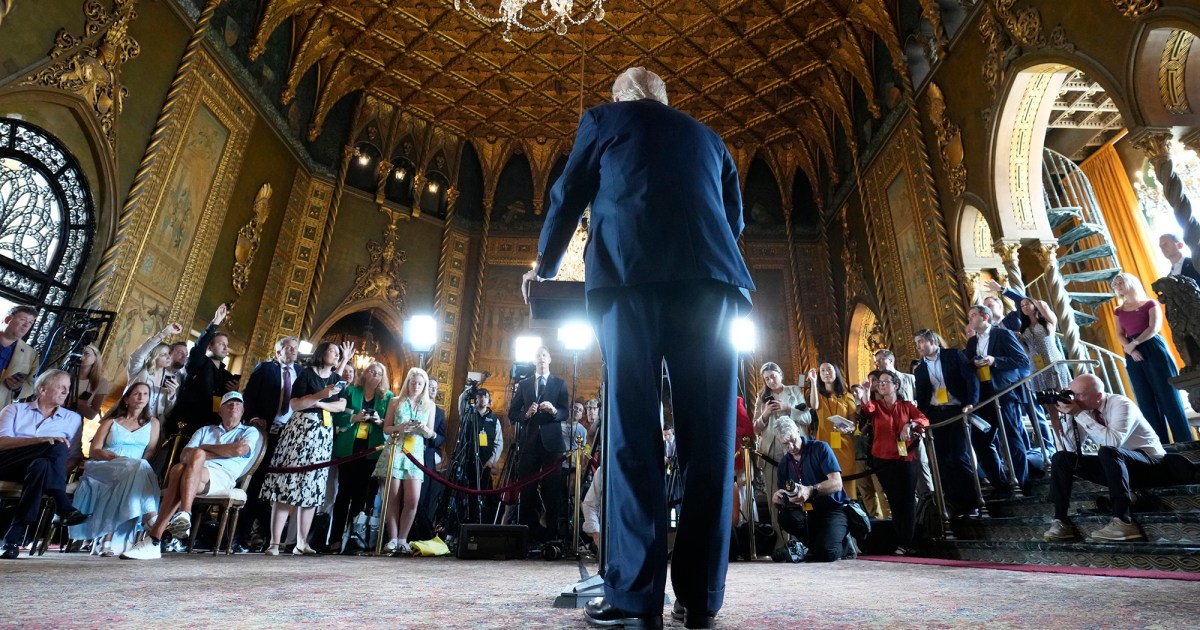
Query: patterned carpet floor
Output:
(62,591)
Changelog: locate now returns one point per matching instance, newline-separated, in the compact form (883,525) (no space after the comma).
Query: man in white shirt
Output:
(39,440)
(1130,455)
(212,462)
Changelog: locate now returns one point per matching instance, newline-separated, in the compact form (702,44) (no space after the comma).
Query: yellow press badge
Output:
(835,439)
(363,431)
(901,448)
(1038,362)
(483,439)
(410,443)
(326,418)
(985,373)
(808,506)
(943,396)
(216,404)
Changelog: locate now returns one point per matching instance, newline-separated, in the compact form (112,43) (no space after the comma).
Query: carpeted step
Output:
(1159,527)
(1127,555)
(1178,498)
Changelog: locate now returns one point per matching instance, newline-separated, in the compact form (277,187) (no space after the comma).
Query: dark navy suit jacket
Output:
(263,391)
(543,425)
(677,180)
(959,372)
(1011,361)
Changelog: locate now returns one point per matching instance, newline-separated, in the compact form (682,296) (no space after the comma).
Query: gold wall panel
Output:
(161,268)
(451,293)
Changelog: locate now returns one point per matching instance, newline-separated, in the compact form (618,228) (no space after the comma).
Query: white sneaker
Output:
(180,526)
(392,545)
(144,549)
(404,549)
(1118,530)
(1059,530)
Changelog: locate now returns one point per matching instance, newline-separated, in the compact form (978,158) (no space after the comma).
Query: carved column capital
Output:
(452,193)
(1191,140)
(1155,142)
(1047,254)
(1008,250)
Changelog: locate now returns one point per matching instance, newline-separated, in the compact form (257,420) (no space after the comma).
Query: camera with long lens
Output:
(1053,397)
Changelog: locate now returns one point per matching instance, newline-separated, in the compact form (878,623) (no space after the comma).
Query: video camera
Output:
(1053,397)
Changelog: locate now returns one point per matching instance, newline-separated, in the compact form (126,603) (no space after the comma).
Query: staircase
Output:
(1087,259)
(1169,516)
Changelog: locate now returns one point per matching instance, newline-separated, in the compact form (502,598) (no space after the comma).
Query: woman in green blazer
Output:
(358,429)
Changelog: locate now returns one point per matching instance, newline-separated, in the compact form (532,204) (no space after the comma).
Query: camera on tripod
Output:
(1053,397)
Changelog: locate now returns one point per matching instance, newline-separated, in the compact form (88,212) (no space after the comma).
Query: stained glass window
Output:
(46,219)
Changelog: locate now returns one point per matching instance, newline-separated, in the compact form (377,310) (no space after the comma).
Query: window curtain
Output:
(1137,248)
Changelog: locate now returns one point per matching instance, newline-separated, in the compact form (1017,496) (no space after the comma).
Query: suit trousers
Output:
(1011,421)
(822,531)
(686,326)
(1158,401)
(535,457)
(41,469)
(954,462)
(1118,468)
(899,479)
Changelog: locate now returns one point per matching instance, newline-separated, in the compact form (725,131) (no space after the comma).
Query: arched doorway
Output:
(866,336)
(46,222)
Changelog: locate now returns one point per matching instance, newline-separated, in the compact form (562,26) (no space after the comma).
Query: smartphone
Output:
(341,384)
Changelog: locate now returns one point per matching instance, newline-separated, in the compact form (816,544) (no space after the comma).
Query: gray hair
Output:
(44,379)
(638,83)
(787,428)
(283,340)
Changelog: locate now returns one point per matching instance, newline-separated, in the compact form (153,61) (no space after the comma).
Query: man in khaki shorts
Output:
(211,463)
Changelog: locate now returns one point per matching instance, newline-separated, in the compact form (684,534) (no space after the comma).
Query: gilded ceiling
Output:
(758,72)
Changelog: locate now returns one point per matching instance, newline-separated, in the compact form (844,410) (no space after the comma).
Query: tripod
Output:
(455,506)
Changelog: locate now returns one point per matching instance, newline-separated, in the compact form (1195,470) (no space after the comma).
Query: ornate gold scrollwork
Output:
(1003,28)
(90,66)
(381,277)
(1136,8)
(248,239)
(949,138)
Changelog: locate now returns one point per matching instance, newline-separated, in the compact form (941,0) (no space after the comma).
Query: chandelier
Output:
(558,14)
(365,355)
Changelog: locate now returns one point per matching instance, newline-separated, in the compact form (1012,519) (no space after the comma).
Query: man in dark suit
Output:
(268,406)
(540,405)
(206,379)
(946,385)
(1172,248)
(664,282)
(999,362)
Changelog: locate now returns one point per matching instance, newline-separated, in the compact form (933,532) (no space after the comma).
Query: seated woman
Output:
(809,474)
(119,488)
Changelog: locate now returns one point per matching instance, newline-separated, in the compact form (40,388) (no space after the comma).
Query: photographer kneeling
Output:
(1130,455)
(809,473)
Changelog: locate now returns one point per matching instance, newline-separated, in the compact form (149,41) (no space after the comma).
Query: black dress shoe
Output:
(600,613)
(72,518)
(11,552)
(679,612)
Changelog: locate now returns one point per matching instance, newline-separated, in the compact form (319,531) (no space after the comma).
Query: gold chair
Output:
(232,501)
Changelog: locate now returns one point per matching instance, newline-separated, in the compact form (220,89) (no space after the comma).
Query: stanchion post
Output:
(1004,445)
(174,453)
(938,496)
(979,502)
(387,489)
(749,494)
(578,457)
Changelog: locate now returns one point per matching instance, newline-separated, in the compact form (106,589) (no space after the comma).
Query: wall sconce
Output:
(433,187)
(401,174)
(363,157)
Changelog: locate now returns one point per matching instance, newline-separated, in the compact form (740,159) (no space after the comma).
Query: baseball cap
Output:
(232,396)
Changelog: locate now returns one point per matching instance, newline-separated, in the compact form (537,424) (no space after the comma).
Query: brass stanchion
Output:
(577,456)
(174,453)
(749,494)
(387,489)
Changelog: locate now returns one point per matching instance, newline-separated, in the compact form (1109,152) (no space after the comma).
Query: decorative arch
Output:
(47,220)
(1018,137)
(386,317)
(1165,73)
(864,339)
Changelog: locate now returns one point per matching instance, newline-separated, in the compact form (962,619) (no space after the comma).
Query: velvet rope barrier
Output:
(332,462)
(512,487)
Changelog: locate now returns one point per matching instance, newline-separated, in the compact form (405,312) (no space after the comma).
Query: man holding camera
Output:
(809,475)
(1130,455)
(488,437)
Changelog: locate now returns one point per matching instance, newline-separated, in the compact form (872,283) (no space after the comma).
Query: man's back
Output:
(651,175)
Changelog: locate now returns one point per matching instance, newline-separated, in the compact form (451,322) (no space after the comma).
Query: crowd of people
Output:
(315,427)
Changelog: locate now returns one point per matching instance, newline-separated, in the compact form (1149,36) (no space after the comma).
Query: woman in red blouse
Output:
(896,427)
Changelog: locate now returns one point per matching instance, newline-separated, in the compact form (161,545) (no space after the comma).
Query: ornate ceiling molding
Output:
(1008,32)
(1172,72)
(751,71)
(949,137)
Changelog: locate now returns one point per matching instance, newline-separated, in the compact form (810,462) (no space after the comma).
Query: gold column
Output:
(5,7)
(310,308)
(441,290)
(807,358)
(971,280)
(1192,140)
(488,200)
(108,259)
(1047,256)
(1009,254)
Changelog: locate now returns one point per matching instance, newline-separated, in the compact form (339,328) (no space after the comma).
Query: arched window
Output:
(46,217)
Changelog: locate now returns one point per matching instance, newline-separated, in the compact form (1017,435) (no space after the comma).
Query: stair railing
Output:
(966,420)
